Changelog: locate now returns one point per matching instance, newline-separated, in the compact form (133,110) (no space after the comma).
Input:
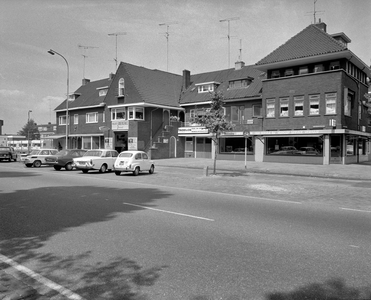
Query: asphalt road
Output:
(180,235)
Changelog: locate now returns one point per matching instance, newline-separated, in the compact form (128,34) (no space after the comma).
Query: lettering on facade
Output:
(193,130)
(120,125)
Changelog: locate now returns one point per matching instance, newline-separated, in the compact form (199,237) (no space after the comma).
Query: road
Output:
(178,234)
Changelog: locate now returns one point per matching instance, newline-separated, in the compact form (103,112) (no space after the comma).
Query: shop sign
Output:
(182,130)
(287,132)
(120,125)
(240,133)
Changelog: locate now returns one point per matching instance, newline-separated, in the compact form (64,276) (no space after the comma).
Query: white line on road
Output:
(352,209)
(50,284)
(169,212)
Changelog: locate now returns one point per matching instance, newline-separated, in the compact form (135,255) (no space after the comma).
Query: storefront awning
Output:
(56,137)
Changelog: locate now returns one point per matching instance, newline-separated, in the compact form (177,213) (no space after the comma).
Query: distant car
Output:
(36,158)
(286,150)
(133,161)
(97,159)
(308,151)
(8,153)
(64,159)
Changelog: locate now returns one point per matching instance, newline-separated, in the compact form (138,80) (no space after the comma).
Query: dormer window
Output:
(289,72)
(71,97)
(102,91)
(239,83)
(206,87)
(121,87)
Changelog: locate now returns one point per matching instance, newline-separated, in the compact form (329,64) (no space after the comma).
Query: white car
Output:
(133,161)
(97,159)
(36,158)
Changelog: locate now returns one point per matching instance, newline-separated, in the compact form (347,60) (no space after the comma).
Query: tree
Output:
(214,120)
(30,130)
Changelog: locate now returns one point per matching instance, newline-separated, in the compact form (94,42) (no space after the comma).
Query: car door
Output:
(145,161)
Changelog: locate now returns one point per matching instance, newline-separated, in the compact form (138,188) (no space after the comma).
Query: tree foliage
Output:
(30,130)
(214,120)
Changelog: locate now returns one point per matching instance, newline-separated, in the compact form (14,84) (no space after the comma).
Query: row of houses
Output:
(305,102)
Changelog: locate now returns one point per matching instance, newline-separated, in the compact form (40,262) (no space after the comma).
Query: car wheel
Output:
(68,167)
(152,169)
(57,168)
(136,171)
(84,171)
(37,164)
(103,168)
(118,173)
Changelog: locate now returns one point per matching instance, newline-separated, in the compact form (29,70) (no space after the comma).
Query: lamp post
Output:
(52,52)
(28,131)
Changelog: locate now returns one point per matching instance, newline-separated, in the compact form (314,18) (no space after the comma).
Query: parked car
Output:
(308,151)
(97,159)
(286,150)
(36,158)
(64,159)
(133,161)
(7,153)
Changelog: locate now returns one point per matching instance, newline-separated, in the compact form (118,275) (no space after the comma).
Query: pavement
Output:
(15,286)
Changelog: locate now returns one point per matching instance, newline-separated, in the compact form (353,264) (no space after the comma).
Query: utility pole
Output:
(167,41)
(229,36)
(85,56)
(116,34)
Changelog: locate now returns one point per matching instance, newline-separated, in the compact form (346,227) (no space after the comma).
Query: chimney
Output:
(110,76)
(239,65)
(85,81)
(186,79)
(321,25)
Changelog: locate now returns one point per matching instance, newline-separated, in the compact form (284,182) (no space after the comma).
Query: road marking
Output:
(169,212)
(50,284)
(353,209)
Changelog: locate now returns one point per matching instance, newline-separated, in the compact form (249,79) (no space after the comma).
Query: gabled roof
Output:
(88,95)
(312,41)
(191,95)
(149,86)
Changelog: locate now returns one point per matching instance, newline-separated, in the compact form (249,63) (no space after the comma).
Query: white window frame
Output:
(75,119)
(116,111)
(133,113)
(91,117)
(103,92)
(62,120)
(271,108)
(298,102)
(121,87)
(314,101)
(284,107)
(330,99)
(205,88)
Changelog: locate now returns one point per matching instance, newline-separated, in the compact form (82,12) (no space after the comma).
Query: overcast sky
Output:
(32,79)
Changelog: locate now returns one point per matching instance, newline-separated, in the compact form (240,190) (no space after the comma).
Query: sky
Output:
(81,31)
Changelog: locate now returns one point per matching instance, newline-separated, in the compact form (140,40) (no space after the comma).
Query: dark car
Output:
(64,159)
(8,153)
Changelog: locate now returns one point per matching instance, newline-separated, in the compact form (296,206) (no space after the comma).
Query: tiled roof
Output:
(89,95)
(153,86)
(191,95)
(311,41)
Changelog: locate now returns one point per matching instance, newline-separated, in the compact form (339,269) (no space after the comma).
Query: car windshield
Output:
(126,154)
(93,153)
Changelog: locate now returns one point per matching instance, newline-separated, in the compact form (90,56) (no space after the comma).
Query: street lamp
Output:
(28,130)
(52,52)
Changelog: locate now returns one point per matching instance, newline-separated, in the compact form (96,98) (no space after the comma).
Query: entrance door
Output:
(336,149)
(172,147)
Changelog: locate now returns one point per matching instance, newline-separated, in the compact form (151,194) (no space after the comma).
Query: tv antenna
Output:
(315,11)
(116,34)
(240,56)
(167,41)
(85,56)
(229,36)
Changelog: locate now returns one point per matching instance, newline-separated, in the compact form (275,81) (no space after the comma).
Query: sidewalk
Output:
(353,171)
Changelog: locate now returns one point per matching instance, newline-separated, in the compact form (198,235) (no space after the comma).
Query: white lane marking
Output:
(50,284)
(353,246)
(353,209)
(170,212)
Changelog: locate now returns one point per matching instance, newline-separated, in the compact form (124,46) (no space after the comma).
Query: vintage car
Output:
(36,158)
(308,151)
(8,153)
(133,161)
(286,150)
(96,159)
(64,159)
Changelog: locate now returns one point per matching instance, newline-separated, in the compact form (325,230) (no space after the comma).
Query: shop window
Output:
(330,99)
(235,145)
(271,107)
(299,106)
(351,143)
(284,107)
(314,105)
(300,146)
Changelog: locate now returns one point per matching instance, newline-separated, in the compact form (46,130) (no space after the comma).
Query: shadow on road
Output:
(29,218)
